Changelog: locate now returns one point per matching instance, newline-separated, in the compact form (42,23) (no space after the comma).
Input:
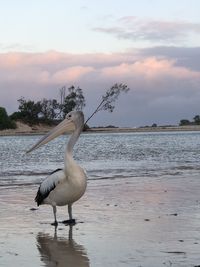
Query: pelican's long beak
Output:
(65,126)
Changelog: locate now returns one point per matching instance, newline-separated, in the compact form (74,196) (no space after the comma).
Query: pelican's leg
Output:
(54,213)
(71,220)
(70,211)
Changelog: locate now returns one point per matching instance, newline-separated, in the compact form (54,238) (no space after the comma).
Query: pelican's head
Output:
(73,120)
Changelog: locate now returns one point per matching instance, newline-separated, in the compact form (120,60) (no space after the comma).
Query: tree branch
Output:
(109,98)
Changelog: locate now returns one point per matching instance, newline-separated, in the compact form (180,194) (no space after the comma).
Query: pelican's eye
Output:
(69,116)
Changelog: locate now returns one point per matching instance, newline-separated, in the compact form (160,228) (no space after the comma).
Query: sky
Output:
(151,45)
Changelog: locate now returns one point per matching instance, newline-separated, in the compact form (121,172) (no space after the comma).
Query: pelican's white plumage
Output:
(63,186)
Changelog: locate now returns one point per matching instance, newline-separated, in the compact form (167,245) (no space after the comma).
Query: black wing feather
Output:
(42,195)
(56,171)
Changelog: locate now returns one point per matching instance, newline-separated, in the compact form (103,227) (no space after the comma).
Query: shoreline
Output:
(40,130)
(147,129)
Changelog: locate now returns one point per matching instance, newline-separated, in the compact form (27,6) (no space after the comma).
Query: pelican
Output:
(63,186)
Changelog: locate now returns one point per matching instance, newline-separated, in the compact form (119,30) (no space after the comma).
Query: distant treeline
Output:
(48,111)
(196,121)
(52,111)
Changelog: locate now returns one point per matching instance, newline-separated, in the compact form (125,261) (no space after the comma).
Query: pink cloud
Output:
(149,69)
(59,68)
(10,60)
(40,75)
(71,74)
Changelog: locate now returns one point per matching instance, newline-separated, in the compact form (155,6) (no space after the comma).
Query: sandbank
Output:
(24,129)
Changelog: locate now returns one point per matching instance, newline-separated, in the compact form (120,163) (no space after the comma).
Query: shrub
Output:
(5,121)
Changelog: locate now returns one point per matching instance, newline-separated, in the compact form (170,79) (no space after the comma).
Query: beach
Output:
(130,222)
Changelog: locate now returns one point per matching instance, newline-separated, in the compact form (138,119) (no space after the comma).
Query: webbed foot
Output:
(55,223)
(69,222)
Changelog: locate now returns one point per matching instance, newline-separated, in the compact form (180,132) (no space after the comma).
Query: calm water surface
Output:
(103,155)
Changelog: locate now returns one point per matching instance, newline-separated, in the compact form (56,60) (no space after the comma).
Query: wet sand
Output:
(120,222)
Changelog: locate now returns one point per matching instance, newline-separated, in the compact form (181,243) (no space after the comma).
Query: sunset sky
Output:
(152,45)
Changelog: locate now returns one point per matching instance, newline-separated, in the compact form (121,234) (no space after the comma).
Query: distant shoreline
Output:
(24,129)
(146,129)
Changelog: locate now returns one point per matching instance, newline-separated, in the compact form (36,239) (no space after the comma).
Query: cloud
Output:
(162,82)
(159,31)
(71,74)
(187,57)
(16,47)
(150,69)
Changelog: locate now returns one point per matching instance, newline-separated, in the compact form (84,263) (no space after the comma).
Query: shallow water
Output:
(103,155)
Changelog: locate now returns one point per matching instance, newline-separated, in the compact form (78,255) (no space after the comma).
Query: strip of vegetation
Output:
(49,111)
(185,122)
(52,111)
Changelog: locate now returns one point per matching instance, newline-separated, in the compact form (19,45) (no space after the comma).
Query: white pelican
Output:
(63,186)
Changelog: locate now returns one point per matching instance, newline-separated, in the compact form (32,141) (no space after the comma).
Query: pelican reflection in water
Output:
(60,251)
(63,186)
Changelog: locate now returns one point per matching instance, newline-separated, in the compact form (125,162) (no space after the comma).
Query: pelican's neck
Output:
(69,149)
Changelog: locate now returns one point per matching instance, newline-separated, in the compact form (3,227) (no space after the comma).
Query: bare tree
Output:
(62,94)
